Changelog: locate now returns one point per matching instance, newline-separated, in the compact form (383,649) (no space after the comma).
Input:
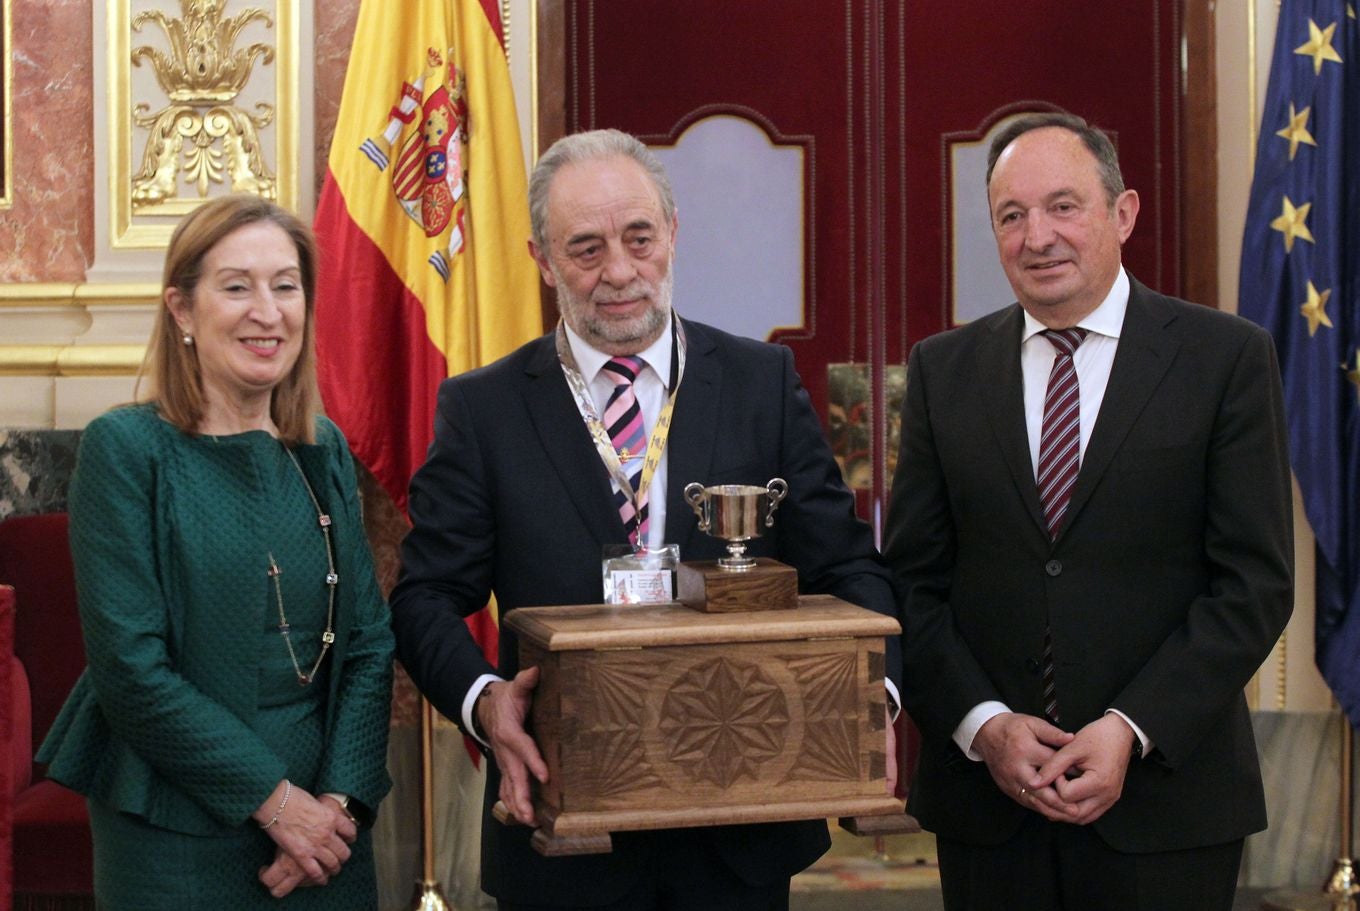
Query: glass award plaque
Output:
(644,576)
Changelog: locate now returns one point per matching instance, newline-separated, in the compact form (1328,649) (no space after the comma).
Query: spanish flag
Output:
(422,226)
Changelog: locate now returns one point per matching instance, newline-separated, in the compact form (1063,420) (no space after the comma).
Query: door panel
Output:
(877,97)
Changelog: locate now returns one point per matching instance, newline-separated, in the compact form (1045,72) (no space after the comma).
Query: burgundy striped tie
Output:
(1059,461)
(1060,440)
(623,422)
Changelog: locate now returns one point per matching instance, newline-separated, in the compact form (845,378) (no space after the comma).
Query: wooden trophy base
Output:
(589,833)
(769,585)
(654,716)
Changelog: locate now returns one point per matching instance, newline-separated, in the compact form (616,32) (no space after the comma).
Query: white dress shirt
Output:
(1093,360)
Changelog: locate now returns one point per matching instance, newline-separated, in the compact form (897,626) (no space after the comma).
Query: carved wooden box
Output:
(658,716)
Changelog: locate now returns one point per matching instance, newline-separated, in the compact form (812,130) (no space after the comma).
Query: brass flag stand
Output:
(1339,894)
(428,897)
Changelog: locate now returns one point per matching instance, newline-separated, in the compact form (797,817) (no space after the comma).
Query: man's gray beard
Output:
(613,336)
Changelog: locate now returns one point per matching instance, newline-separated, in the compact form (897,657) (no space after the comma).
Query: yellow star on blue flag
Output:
(1315,309)
(1296,131)
(1308,296)
(1293,223)
(1319,45)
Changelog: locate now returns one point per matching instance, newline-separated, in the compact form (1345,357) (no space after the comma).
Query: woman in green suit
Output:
(230,731)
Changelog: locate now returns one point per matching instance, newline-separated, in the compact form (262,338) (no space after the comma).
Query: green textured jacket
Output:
(160,723)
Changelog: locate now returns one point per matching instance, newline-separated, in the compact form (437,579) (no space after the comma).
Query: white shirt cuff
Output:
(1137,731)
(894,700)
(470,702)
(977,716)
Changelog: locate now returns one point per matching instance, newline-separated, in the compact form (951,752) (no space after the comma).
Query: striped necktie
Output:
(1059,462)
(623,422)
(1060,440)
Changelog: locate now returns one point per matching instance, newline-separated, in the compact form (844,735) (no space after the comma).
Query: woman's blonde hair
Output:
(174,380)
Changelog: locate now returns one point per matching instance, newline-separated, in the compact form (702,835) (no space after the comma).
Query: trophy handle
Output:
(694,495)
(777,490)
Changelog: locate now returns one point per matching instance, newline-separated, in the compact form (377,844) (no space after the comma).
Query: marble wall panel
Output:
(335,20)
(48,234)
(35,470)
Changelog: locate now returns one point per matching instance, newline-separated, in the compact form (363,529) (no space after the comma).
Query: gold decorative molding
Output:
(71,360)
(68,294)
(533,81)
(202,137)
(1281,672)
(7,101)
(74,358)
(1251,79)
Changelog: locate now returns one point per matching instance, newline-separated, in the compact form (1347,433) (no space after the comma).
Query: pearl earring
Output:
(188,339)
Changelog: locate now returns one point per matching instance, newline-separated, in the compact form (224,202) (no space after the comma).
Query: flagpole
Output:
(1341,888)
(428,896)
(1342,881)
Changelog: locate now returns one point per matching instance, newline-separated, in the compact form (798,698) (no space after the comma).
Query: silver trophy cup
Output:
(736,513)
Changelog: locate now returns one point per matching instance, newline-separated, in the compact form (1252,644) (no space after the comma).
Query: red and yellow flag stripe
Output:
(422,225)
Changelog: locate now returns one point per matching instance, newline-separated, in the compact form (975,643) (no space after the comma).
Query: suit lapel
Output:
(1144,354)
(998,365)
(694,432)
(567,444)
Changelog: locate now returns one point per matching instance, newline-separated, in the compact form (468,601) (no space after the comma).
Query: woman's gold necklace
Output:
(332,580)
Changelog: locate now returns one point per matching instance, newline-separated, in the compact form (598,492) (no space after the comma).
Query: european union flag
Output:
(1300,268)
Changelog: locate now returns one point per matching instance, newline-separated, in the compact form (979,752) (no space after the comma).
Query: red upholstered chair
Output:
(9,709)
(52,855)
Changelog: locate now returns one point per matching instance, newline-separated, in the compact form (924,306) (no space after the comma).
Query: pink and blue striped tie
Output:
(623,422)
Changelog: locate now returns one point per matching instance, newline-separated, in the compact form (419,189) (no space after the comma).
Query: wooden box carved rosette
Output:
(655,716)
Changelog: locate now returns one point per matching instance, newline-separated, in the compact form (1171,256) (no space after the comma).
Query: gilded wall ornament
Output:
(201,133)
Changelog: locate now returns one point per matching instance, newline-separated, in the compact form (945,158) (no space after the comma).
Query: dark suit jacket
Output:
(514,499)
(1168,585)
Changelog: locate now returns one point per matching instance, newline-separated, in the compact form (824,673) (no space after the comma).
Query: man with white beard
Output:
(537,472)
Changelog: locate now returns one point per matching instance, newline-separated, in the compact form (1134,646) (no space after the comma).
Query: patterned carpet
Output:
(898,873)
(854,864)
